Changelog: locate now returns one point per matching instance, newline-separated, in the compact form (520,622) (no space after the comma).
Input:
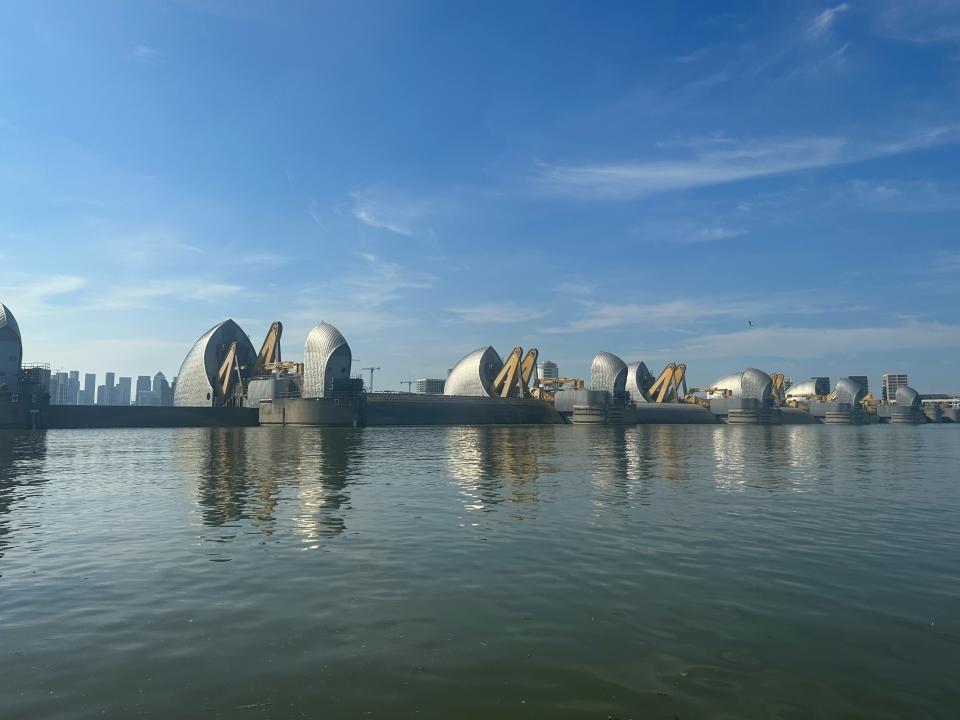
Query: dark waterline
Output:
(498,572)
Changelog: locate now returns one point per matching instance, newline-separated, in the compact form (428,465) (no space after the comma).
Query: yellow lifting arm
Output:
(660,390)
(270,350)
(505,384)
(528,366)
(225,373)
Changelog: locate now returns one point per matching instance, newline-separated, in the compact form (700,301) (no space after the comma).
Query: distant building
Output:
(862,381)
(547,371)
(430,386)
(89,395)
(109,390)
(143,385)
(890,383)
(942,399)
(123,391)
(58,388)
(163,389)
(148,398)
(73,388)
(103,397)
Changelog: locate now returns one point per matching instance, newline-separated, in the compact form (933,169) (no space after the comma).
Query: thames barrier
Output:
(224,381)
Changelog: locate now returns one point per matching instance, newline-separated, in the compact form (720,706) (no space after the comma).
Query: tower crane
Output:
(408,383)
(371,370)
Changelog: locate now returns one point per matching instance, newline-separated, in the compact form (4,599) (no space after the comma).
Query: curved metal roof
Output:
(751,383)
(906,395)
(474,374)
(639,379)
(199,368)
(8,320)
(11,347)
(806,388)
(326,357)
(848,390)
(608,372)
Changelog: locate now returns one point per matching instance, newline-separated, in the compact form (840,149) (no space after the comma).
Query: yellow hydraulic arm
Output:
(776,391)
(660,390)
(528,366)
(506,383)
(225,374)
(270,350)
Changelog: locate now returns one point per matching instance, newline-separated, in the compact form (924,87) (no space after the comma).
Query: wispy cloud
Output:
(144,293)
(598,316)
(144,53)
(723,160)
(822,22)
(391,211)
(919,21)
(37,294)
(498,312)
(686,231)
(815,342)
(671,314)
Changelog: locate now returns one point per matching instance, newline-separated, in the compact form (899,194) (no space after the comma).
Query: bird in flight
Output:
(750,323)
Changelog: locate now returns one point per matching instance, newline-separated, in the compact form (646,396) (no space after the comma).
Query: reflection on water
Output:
(496,572)
(325,459)
(21,456)
(242,476)
(492,465)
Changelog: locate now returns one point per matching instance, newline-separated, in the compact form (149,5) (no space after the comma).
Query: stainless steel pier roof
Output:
(199,369)
(474,374)
(11,348)
(326,357)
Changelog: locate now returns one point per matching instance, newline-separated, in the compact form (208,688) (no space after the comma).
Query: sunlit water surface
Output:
(505,572)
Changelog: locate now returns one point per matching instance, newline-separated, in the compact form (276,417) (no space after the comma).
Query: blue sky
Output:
(433,177)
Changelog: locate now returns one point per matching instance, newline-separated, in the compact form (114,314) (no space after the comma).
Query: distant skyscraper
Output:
(58,388)
(891,381)
(103,396)
(162,388)
(89,388)
(123,391)
(143,385)
(73,388)
(430,386)
(548,370)
(109,394)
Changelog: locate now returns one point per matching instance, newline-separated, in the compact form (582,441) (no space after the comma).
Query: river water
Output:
(493,572)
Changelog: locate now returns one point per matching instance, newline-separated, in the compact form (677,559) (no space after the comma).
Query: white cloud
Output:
(606,315)
(715,163)
(144,53)
(919,21)
(686,231)
(498,312)
(391,211)
(822,22)
(144,293)
(29,294)
(816,342)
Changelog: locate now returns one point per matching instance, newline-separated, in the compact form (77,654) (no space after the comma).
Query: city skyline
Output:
(773,188)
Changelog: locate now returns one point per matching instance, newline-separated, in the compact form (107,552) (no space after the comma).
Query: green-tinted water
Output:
(544,572)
